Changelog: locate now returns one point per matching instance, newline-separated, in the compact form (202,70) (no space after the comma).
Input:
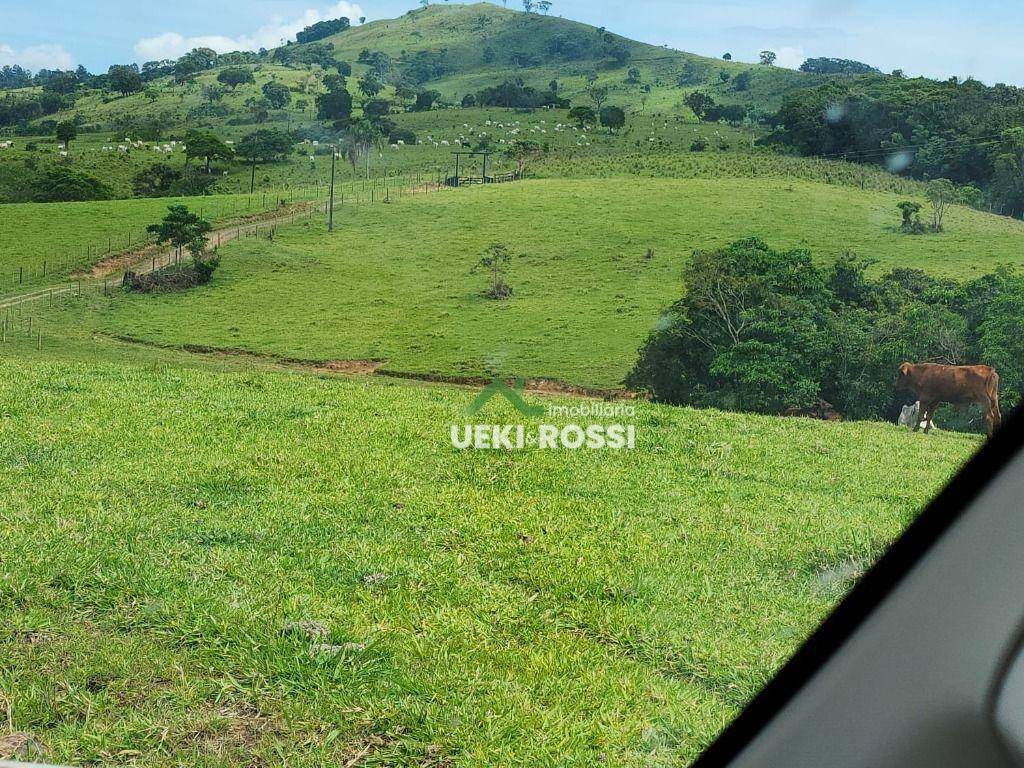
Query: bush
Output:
(402,134)
(772,332)
(60,184)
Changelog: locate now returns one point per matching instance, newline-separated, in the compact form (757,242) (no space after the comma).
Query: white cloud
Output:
(790,57)
(171,45)
(37,57)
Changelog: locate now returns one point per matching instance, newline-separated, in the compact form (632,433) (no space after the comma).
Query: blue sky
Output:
(937,38)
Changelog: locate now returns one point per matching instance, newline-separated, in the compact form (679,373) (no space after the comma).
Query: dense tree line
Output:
(322,29)
(828,66)
(963,131)
(768,331)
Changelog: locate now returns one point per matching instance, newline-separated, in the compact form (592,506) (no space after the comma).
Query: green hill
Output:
(596,264)
(474,46)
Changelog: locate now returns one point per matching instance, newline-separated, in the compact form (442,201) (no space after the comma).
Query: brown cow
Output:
(954,384)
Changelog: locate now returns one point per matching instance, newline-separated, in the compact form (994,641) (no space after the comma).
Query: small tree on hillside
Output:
(911,217)
(207,146)
(599,95)
(278,94)
(613,118)
(522,151)
(941,193)
(370,85)
(700,103)
(768,58)
(67,131)
(124,79)
(582,115)
(495,263)
(182,229)
(233,77)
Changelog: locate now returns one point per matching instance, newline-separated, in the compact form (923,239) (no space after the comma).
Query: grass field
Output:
(394,283)
(72,236)
(532,608)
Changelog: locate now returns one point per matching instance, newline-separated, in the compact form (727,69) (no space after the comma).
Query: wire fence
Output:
(122,240)
(22,316)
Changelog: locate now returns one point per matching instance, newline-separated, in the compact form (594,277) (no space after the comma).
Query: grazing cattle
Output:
(954,384)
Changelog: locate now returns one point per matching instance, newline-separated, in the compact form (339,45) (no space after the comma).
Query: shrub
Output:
(770,331)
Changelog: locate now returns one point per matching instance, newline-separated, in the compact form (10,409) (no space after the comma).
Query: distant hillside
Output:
(460,49)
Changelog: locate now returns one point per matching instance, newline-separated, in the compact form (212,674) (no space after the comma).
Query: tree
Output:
(322,29)
(61,184)
(336,82)
(727,56)
(613,118)
(377,108)
(599,95)
(911,218)
(278,94)
(334,105)
(125,79)
(495,262)
(582,115)
(259,108)
(528,5)
(826,66)
(425,101)
(233,77)
(361,137)
(266,144)
(522,151)
(700,103)
(370,85)
(207,146)
(742,81)
(941,192)
(192,63)
(181,228)
(212,92)
(544,6)
(768,58)
(67,131)
(469,100)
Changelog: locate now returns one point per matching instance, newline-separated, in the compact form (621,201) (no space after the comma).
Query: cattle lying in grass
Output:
(954,384)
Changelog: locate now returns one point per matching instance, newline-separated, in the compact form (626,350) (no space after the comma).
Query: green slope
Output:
(164,529)
(395,281)
(485,43)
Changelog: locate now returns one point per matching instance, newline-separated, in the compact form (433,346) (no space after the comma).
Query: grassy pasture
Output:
(490,609)
(71,236)
(395,282)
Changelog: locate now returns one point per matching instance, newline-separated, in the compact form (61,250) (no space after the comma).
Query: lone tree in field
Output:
(67,131)
(768,58)
(522,151)
(613,118)
(278,94)
(124,79)
(941,193)
(495,263)
(182,229)
(599,95)
(582,115)
(700,103)
(233,77)
(911,217)
(206,146)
